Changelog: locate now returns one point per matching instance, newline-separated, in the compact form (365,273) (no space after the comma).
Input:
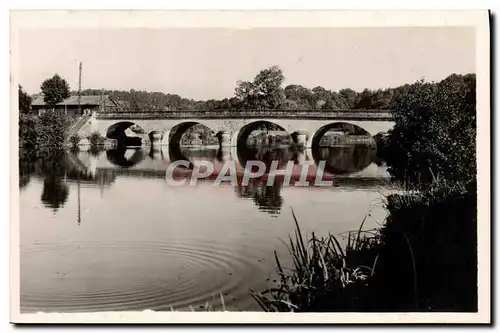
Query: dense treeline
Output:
(264,92)
(296,97)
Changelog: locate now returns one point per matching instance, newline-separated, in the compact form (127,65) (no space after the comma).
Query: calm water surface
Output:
(105,232)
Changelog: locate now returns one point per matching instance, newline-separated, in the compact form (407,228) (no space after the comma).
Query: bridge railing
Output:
(306,113)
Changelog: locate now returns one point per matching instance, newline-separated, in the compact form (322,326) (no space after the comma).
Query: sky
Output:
(206,63)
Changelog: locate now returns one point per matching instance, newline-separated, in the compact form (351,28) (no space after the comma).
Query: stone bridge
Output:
(232,127)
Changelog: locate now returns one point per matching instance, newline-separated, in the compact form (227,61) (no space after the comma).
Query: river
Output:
(104,231)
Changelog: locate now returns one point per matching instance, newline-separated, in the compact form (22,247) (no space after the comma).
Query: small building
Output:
(70,105)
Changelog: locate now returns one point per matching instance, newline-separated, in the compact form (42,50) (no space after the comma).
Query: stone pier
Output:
(155,137)
(301,138)
(225,139)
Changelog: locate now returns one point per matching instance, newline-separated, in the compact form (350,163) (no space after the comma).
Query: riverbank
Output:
(423,258)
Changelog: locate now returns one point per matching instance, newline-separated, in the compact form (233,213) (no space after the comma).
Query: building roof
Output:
(93,100)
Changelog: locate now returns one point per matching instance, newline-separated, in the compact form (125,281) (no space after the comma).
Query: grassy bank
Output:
(423,259)
(428,250)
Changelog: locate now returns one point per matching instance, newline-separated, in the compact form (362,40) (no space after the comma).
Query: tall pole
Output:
(101,106)
(78,216)
(79,88)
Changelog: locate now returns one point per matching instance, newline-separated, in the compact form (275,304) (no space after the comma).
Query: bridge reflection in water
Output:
(348,165)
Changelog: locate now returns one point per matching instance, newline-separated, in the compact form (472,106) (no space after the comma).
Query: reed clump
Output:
(325,275)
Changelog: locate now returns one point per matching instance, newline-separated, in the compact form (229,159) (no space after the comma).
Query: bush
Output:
(96,139)
(28,132)
(43,135)
(74,140)
(435,132)
(52,132)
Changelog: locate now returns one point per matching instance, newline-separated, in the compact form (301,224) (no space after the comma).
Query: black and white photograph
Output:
(219,166)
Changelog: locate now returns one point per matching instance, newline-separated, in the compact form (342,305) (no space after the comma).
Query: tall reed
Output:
(325,275)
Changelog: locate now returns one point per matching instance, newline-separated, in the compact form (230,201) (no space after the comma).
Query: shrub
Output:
(28,132)
(74,140)
(96,139)
(45,133)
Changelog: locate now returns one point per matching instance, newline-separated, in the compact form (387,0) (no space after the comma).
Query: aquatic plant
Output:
(325,276)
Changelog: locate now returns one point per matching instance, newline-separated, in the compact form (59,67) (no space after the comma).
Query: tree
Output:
(298,97)
(350,97)
(322,98)
(245,92)
(264,92)
(337,102)
(24,101)
(382,98)
(435,132)
(365,100)
(55,90)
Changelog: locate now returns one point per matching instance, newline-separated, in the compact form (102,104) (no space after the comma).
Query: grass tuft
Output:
(324,275)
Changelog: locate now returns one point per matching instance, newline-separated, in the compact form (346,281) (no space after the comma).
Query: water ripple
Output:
(133,275)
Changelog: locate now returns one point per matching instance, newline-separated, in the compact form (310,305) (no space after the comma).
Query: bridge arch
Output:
(117,131)
(230,124)
(175,134)
(240,137)
(345,127)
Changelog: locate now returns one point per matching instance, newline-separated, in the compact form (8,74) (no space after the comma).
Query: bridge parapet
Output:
(252,114)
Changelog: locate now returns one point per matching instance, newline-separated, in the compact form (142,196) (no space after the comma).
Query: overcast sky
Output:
(206,63)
